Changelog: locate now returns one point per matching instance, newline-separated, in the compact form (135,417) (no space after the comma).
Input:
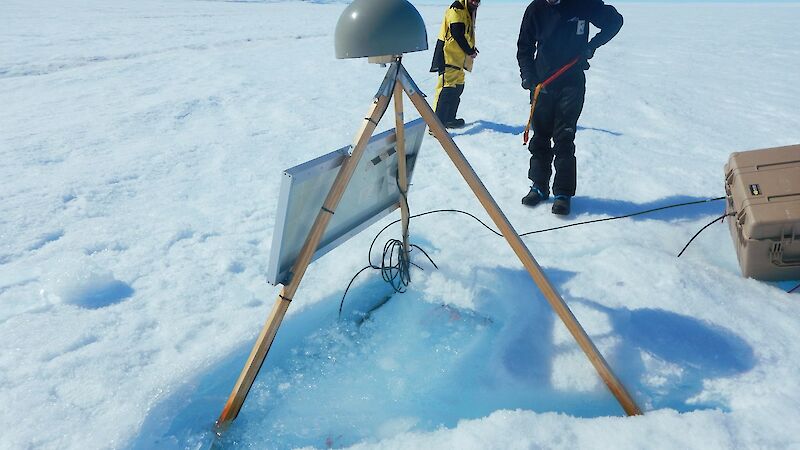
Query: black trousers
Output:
(447,104)
(555,120)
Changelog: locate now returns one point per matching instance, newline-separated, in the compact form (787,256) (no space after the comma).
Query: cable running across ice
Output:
(395,264)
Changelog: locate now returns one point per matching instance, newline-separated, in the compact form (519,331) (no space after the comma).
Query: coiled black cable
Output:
(395,264)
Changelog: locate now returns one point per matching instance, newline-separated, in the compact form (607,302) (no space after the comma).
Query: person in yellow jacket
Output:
(455,51)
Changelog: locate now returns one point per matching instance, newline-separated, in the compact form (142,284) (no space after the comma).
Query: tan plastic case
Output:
(763,193)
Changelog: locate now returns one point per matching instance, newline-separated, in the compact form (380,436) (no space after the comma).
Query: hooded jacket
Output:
(456,39)
(552,35)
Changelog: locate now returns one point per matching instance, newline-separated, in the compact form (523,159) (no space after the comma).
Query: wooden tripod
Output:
(396,82)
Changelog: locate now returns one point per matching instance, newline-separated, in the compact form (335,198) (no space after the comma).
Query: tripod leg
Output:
(402,177)
(270,329)
(522,252)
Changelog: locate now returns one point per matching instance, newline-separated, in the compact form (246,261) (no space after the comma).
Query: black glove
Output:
(589,52)
(528,83)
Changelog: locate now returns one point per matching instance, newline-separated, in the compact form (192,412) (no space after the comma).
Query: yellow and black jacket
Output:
(456,39)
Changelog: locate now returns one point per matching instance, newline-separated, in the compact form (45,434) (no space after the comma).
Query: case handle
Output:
(776,257)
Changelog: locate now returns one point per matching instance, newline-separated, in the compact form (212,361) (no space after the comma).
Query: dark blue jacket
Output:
(552,35)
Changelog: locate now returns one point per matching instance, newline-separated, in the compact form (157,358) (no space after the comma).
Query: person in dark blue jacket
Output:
(553,33)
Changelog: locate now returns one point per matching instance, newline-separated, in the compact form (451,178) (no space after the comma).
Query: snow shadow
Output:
(662,357)
(600,130)
(103,293)
(591,205)
(86,288)
(672,355)
(414,361)
(790,286)
(480,126)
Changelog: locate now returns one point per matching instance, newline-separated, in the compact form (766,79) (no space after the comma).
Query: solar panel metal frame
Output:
(371,194)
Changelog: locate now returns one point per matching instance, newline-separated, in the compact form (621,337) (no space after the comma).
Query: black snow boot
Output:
(534,197)
(561,205)
(455,123)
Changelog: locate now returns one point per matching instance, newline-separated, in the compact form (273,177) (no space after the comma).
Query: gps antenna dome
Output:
(370,28)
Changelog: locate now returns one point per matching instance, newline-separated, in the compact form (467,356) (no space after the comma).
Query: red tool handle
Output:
(541,86)
(559,72)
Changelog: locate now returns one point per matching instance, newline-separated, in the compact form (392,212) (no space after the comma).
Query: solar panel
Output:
(371,195)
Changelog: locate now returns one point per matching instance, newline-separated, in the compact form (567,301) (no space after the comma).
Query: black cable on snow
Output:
(626,215)
(395,265)
(718,219)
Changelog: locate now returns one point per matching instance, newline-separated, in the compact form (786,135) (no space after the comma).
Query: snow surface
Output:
(141,151)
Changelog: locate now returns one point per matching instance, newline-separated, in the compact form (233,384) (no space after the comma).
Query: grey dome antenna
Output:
(380,30)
